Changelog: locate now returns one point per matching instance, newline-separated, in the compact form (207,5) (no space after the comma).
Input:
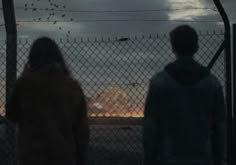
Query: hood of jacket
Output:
(186,71)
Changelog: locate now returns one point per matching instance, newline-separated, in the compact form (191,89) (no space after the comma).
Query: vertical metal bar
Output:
(228,82)
(234,81)
(216,56)
(11,70)
(11,58)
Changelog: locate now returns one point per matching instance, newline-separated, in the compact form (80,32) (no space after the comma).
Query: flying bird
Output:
(63,15)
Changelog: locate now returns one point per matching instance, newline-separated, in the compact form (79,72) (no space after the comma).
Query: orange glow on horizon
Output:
(125,115)
(2,111)
(114,101)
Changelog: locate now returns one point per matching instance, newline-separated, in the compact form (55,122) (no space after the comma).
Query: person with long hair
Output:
(49,109)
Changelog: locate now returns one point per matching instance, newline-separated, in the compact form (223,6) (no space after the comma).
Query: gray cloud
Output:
(98,66)
(71,28)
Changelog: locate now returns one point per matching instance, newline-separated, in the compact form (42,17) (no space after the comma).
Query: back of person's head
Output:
(45,51)
(184,41)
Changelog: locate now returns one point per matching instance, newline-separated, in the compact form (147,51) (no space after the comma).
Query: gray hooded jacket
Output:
(184,121)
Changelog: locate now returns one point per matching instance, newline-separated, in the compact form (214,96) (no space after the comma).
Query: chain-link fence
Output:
(114,74)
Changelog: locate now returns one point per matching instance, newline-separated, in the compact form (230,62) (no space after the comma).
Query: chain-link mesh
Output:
(115,74)
(3,147)
(7,138)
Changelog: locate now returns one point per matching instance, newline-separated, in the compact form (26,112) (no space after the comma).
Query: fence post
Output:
(11,57)
(11,71)
(234,110)
(228,82)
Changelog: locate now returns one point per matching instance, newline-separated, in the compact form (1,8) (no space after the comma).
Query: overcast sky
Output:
(90,18)
(82,18)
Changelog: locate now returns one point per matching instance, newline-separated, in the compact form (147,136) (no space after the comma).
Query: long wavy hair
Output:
(43,52)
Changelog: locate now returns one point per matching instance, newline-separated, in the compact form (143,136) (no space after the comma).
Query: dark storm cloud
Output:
(96,28)
(38,13)
(38,25)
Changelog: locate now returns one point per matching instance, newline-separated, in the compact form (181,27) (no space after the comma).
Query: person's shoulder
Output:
(72,81)
(27,77)
(159,78)
(21,81)
(27,80)
(213,81)
(73,84)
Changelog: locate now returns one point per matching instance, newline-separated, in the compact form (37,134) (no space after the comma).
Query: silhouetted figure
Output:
(184,121)
(49,108)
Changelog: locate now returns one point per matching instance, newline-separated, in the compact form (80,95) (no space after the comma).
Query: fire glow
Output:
(111,102)
(2,111)
(128,114)
(114,102)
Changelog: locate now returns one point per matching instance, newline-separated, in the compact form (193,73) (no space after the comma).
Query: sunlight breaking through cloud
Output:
(190,9)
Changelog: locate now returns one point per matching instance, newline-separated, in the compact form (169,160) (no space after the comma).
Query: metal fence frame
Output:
(11,64)
(228,82)
(234,83)
(159,41)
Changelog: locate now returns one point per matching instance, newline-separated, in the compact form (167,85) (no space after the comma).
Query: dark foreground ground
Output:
(109,145)
(116,145)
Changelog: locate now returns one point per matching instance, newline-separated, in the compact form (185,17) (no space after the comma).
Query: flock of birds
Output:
(52,8)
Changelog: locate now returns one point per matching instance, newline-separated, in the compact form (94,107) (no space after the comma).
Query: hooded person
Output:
(49,109)
(184,116)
